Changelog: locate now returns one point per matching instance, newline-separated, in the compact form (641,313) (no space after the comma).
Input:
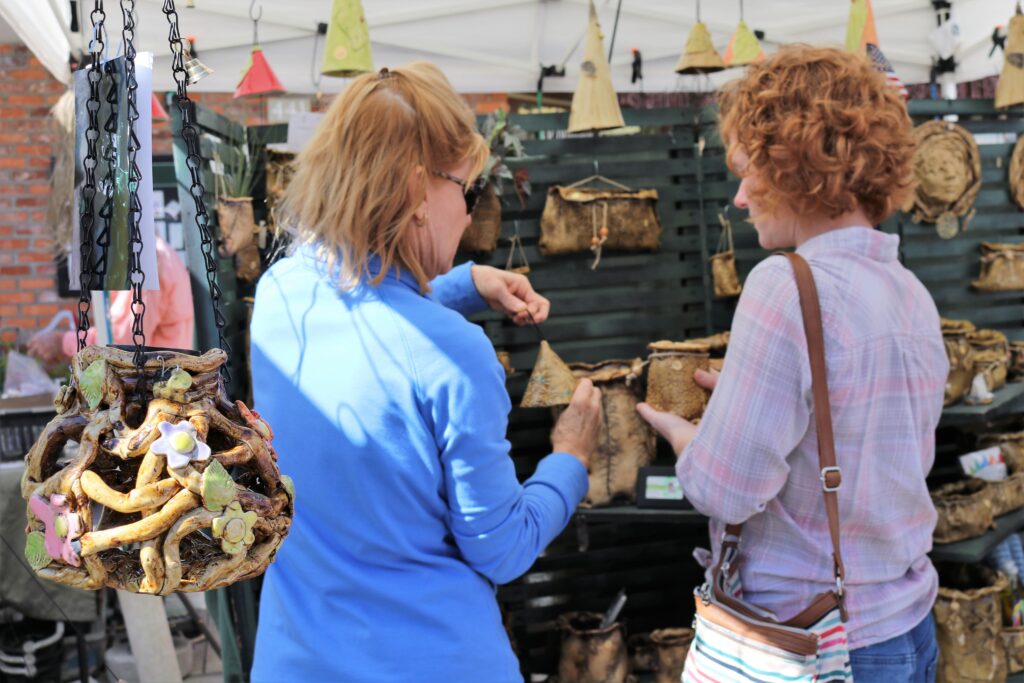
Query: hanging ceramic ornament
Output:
(347,50)
(551,382)
(1010,89)
(700,55)
(595,106)
(744,48)
(947,166)
(259,78)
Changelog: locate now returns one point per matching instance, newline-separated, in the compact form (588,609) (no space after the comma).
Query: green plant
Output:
(505,141)
(237,170)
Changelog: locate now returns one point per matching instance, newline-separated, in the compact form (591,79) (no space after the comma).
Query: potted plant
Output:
(236,173)
(505,141)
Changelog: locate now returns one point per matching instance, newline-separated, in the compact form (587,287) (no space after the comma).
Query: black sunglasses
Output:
(471,193)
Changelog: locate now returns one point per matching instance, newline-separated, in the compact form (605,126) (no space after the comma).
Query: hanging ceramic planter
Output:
(626,443)
(236,223)
(1013,643)
(280,167)
(672,645)
(965,510)
(516,261)
(991,356)
(590,653)
(969,624)
(961,359)
(1002,267)
(723,263)
(1017,361)
(149,506)
(482,233)
(578,218)
(145,502)
(670,383)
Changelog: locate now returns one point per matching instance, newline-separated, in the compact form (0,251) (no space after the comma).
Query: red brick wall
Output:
(28,290)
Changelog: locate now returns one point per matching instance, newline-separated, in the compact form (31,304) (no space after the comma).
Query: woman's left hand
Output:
(511,294)
(677,431)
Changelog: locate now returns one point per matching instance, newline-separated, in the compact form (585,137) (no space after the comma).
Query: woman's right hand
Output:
(579,428)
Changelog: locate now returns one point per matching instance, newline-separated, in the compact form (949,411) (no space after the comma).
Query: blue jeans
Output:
(910,658)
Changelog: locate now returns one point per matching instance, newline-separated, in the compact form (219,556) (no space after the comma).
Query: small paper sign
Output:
(663,488)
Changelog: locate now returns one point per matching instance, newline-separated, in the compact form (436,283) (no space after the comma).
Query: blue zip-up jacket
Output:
(390,412)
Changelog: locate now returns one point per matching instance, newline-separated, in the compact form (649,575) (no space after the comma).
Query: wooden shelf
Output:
(631,513)
(1008,400)
(975,549)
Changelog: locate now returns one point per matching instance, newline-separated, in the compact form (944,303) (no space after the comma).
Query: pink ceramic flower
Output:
(62,527)
(180,444)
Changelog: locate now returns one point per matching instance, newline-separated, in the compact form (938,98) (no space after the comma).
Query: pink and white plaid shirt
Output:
(755,460)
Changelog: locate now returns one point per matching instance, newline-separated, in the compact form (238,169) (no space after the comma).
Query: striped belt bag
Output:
(736,641)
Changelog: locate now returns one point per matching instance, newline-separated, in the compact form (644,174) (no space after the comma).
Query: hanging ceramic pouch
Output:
(579,217)
(723,263)
(516,252)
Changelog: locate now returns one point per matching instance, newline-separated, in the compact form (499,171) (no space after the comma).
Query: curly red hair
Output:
(823,130)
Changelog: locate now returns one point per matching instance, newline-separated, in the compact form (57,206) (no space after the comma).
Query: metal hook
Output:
(162,369)
(255,22)
(741,10)
(597,167)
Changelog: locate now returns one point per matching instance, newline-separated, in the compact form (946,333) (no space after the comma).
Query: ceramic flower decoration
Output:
(62,527)
(170,481)
(234,529)
(180,444)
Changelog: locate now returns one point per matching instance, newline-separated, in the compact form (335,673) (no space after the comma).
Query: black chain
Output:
(108,154)
(194,162)
(87,279)
(136,276)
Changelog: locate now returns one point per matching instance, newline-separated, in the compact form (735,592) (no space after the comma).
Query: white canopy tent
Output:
(499,45)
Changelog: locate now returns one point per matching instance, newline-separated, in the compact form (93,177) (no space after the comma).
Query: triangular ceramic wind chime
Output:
(347,51)
(699,56)
(1010,89)
(595,106)
(743,48)
(146,503)
(258,78)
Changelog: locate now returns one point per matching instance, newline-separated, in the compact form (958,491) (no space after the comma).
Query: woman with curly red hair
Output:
(824,150)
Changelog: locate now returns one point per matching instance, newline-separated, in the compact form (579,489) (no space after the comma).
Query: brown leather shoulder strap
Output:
(831,477)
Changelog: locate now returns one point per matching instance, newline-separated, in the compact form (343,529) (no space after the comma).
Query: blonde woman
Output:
(390,409)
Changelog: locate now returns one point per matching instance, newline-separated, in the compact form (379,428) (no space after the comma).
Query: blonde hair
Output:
(350,192)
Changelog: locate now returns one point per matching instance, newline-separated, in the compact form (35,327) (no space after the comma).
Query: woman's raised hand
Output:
(511,294)
(579,428)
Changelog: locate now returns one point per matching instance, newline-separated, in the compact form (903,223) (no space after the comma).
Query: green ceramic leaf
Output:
(35,550)
(289,486)
(218,486)
(91,383)
(180,381)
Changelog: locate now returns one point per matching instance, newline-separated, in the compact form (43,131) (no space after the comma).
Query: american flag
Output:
(885,66)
